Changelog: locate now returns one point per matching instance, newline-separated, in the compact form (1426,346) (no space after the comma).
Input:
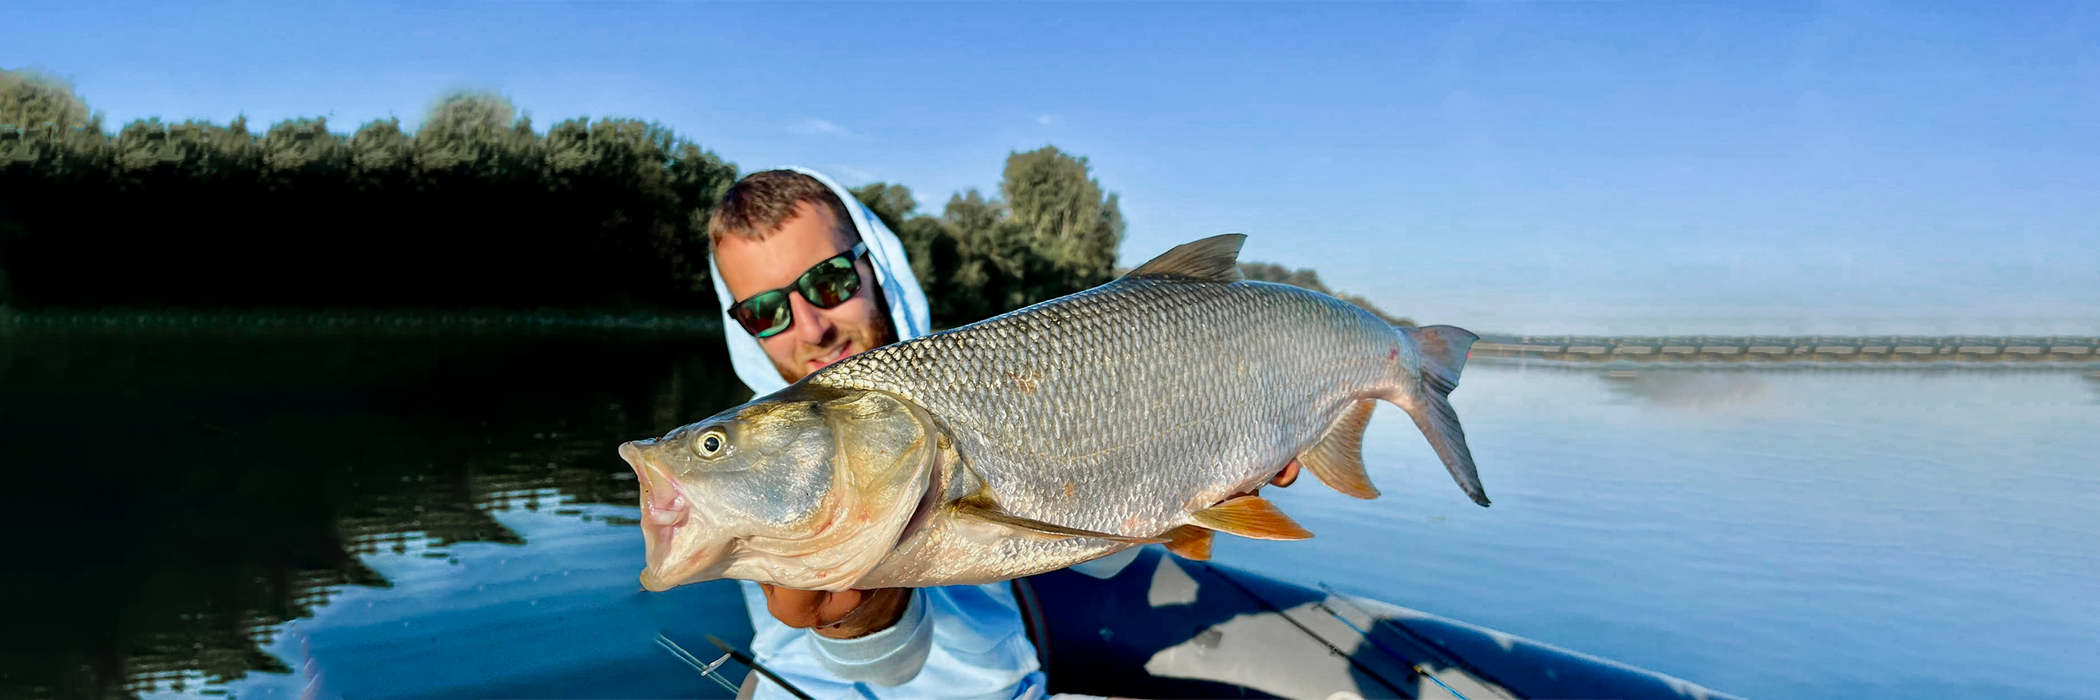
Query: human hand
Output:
(1283,478)
(1288,475)
(842,615)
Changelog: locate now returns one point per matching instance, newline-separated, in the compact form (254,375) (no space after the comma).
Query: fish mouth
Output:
(667,513)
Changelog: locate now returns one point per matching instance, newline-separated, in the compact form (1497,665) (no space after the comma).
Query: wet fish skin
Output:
(768,503)
(1127,410)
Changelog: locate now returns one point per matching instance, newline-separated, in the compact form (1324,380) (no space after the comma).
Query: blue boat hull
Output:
(1166,627)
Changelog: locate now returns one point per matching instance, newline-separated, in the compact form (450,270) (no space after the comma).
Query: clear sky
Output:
(1504,166)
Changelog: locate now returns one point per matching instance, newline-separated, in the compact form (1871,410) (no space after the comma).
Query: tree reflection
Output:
(176,497)
(1688,389)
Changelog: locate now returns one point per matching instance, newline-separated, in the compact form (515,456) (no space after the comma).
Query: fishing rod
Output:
(710,672)
(707,670)
(753,663)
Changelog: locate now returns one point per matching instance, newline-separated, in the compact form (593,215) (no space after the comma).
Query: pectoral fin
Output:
(1190,542)
(1252,517)
(993,513)
(1338,459)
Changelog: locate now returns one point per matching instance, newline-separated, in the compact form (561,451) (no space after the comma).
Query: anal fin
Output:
(1338,459)
(1190,542)
(1251,517)
(992,513)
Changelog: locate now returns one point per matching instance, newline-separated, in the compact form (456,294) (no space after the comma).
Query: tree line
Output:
(473,210)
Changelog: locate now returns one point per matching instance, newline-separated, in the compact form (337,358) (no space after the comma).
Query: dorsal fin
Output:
(1213,259)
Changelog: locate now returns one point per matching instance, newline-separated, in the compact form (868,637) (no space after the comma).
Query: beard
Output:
(874,332)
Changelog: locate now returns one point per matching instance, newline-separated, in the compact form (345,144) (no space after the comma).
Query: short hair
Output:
(756,205)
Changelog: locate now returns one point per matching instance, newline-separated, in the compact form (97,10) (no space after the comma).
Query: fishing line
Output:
(1431,648)
(1337,651)
(1425,674)
(706,670)
(1419,669)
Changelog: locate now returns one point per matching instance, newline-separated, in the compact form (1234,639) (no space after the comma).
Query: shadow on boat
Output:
(1165,627)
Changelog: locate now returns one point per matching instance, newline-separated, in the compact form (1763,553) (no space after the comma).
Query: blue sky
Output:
(1504,166)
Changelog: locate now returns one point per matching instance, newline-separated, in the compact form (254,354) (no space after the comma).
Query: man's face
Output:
(817,337)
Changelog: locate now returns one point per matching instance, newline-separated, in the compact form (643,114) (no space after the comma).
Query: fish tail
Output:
(1425,394)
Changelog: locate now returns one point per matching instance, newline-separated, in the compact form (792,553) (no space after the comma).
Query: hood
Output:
(892,272)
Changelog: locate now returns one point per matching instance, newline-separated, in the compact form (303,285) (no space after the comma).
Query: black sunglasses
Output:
(827,284)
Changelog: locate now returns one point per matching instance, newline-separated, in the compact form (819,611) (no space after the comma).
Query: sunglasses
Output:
(827,284)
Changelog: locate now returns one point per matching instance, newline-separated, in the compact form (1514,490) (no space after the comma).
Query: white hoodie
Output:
(954,641)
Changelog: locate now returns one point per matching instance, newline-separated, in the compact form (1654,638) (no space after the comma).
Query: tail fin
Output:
(1443,350)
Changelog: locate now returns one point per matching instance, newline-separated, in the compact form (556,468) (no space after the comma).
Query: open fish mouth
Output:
(664,511)
(667,512)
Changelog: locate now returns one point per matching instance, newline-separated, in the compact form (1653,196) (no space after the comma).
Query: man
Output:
(808,276)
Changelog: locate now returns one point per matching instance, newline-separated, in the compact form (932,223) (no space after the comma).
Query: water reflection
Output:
(1688,389)
(176,499)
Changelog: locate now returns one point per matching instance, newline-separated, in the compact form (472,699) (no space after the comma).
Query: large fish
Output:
(1143,410)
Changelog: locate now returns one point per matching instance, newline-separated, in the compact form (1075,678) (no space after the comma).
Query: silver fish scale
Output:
(1125,408)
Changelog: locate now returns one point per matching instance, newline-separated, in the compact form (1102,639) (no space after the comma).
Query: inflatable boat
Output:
(1165,628)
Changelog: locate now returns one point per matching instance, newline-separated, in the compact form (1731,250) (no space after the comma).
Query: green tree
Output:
(1308,279)
(1051,233)
(32,98)
(697,179)
(219,156)
(927,241)
(301,149)
(380,155)
(892,204)
(477,135)
(1072,227)
(993,258)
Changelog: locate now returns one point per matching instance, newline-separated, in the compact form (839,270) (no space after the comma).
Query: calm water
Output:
(409,517)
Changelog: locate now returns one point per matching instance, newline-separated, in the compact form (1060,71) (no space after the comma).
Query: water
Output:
(416,516)
(1790,534)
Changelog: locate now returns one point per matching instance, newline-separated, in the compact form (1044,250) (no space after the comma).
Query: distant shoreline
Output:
(1602,352)
(334,321)
(1750,351)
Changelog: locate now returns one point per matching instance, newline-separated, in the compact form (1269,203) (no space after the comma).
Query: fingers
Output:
(837,606)
(1289,474)
(877,610)
(791,607)
(804,609)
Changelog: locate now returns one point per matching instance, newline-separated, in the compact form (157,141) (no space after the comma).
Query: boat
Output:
(1167,628)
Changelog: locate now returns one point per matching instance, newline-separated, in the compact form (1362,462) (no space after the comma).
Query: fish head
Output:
(806,488)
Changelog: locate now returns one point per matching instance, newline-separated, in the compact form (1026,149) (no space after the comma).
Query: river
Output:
(419,515)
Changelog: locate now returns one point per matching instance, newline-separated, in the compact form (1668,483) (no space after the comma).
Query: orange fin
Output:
(1338,459)
(1190,542)
(1252,517)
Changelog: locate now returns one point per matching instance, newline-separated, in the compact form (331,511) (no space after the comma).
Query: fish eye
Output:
(710,444)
